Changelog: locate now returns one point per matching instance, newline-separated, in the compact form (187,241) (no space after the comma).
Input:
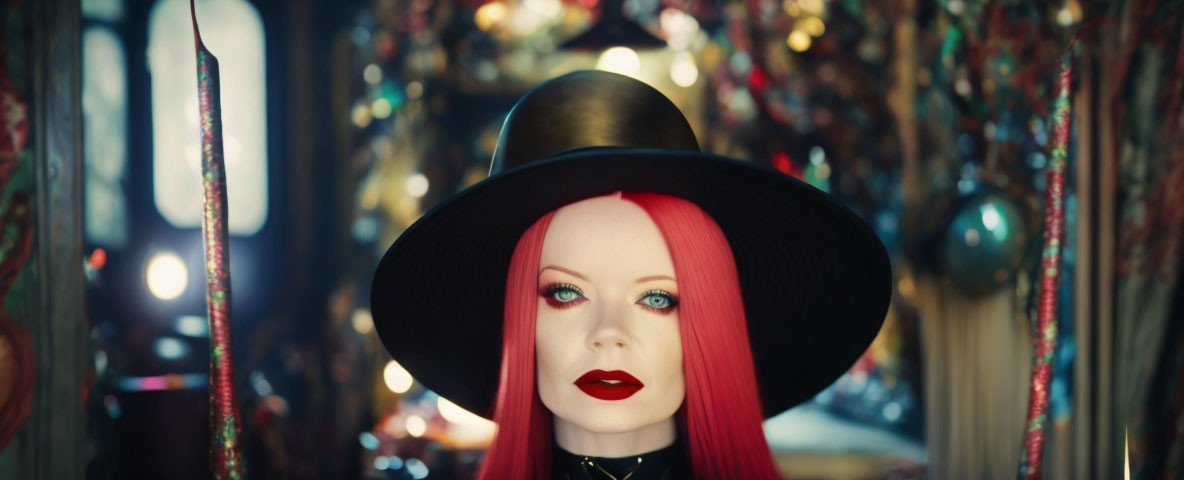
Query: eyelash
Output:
(661,293)
(548,292)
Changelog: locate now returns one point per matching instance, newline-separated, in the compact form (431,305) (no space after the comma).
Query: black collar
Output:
(664,464)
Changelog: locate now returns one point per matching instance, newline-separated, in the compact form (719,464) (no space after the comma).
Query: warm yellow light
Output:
(397,378)
(549,9)
(1064,17)
(489,15)
(414,90)
(416,185)
(416,426)
(362,322)
(371,194)
(622,60)
(812,25)
(380,108)
(907,289)
(683,70)
(464,426)
(798,41)
(813,7)
(360,115)
(167,276)
(453,413)
(792,8)
(680,28)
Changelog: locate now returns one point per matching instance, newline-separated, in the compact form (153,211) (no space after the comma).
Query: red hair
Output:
(720,420)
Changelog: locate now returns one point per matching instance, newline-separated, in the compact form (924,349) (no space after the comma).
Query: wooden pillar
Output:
(50,444)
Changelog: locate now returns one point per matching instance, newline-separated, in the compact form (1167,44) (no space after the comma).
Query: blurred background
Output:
(344,121)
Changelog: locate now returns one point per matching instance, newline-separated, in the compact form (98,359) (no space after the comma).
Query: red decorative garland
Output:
(226,461)
(1050,278)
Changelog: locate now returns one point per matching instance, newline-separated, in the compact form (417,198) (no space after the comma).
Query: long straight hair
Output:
(721,416)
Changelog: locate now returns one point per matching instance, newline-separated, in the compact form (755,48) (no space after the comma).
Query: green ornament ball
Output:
(985,244)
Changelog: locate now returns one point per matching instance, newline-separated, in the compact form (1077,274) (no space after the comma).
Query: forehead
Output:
(605,235)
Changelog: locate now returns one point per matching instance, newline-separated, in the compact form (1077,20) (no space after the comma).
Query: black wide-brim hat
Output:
(815,279)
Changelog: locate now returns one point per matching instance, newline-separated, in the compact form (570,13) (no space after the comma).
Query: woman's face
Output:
(609,355)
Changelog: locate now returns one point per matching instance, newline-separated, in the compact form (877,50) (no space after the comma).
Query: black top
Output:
(669,463)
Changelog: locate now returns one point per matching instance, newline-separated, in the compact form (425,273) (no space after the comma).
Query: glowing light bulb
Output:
(167,276)
(622,60)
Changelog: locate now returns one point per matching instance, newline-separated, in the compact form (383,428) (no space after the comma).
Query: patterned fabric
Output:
(1145,103)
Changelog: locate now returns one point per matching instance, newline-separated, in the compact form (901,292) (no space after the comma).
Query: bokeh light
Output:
(416,185)
(490,15)
(397,378)
(372,74)
(683,70)
(812,25)
(167,276)
(416,426)
(622,60)
(170,348)
(455,414)
(381,108)
(193,326)
(362,321)
(799,41)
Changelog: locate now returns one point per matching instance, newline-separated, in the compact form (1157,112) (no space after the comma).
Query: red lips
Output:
(614,385)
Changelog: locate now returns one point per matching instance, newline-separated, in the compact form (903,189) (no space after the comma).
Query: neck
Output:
(580,441)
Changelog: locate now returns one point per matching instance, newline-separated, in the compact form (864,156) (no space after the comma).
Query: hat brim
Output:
(815,278)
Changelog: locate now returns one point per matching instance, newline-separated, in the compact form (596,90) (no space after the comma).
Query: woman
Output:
(621,304)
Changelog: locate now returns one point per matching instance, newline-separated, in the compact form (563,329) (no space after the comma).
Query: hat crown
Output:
(589,109)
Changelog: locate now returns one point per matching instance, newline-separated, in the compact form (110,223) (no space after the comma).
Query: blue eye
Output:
(562,295)
(658,300)
(565,295)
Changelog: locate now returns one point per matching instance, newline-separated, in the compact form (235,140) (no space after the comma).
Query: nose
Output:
(610,329)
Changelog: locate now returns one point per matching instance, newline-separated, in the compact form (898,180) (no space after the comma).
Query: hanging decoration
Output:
(1050,275)
(226,461)
(985,243)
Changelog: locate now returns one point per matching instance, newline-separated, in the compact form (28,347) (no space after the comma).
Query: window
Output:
(233,32)
(104,110)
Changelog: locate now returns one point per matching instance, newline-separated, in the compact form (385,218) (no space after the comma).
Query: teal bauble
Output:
(985,243)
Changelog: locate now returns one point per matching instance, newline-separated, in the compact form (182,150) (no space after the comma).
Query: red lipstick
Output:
(614,385)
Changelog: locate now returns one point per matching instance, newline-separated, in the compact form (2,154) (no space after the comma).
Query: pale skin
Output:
(608,301)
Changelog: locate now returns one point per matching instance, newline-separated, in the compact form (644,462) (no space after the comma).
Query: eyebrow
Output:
(581,277)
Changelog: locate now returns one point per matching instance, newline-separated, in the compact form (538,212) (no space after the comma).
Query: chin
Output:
(612,422)
(618,416)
